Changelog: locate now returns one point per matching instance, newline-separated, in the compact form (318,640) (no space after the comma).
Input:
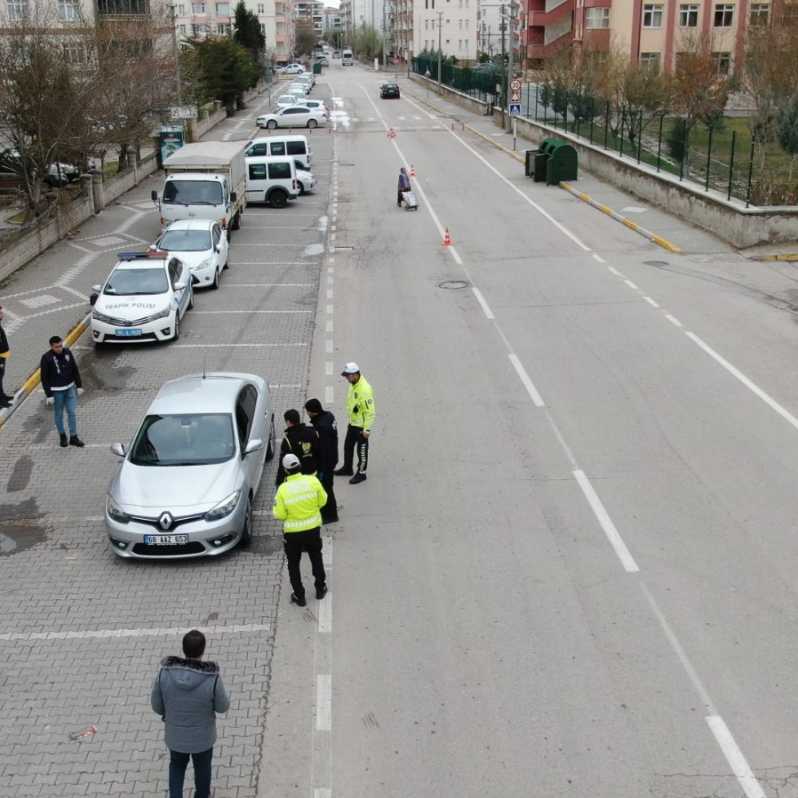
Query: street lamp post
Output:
(440,50)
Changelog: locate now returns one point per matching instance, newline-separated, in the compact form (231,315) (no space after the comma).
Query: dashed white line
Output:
(323,702)
(328,327)
(536,398)
(329,395)
(328,368)
(483,304)
(225,312)
(651,302)
(240,346)
(598,258)
(328,346)
(614,271)
(329,307)
(614,537)
(673,320)
(631,284)
(330,293)
(734,756)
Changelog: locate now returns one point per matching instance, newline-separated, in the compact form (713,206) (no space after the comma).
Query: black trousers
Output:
(330,510)
(2,374)
(294,543)
(202,773)
(355,440)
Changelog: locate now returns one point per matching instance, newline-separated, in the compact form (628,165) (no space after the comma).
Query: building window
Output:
(17,9)
(223,9)
(460,24)
(74,54)
(722,62)
(223,29)
(261,8)
(181,29)
(650,61)
(597,18)
(181,11)
(688,16)
(263,28)
(68,11)
(724,15)
(198,8)
(652,15)
(760,13)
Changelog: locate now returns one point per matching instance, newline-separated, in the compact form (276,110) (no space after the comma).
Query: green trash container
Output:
(562,163)
(541,159)
(317,68)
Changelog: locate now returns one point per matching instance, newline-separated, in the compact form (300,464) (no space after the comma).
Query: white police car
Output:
(144,299)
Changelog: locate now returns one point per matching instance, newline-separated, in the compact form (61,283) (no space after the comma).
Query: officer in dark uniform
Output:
(299,440)
(323,422)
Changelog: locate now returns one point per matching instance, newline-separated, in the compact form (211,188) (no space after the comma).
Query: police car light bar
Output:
(152,253)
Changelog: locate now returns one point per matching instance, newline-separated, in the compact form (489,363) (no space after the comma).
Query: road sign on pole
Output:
(515,108)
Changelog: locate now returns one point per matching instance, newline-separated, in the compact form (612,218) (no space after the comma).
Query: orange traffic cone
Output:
(412,170)
(447,239)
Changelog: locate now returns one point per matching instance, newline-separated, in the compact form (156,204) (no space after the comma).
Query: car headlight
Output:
(224,508)
(97,316)
(206,264)
(115,512)
(167,311)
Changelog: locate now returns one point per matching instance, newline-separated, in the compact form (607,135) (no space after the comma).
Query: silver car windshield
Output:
(131,282)
(184,440)
(192,192)
(185,240)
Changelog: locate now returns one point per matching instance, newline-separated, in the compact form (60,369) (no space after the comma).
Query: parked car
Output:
(272,180)
(143,299)
(292,69)
(201,244)
(324,61)
(316,105)
(186,485)
(295,146)
(389,90)
(301,88)
(293,116)
(305,178)
(60,174)
(284,100)
(306,77)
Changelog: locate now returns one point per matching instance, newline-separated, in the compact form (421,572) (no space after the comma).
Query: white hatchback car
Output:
(293,116)
(300,87)
(201,244)
(284,100)
(292,69)
(316,105)
(144,299)
(305,178)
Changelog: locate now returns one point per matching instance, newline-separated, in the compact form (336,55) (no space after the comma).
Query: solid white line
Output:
(329,395)
(325,615)
(673,320)
(614,537)
(481,299)
(225,346)
(752,386)
(598,258)
(537,400)
(94,634)
(631,284)
(651,301)
(323,702)
(223,312)
(734,756)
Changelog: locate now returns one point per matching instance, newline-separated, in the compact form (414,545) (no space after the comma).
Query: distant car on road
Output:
(144,299)
(201,244)
(389,90)
(292,69)
(187,484)
(293,116)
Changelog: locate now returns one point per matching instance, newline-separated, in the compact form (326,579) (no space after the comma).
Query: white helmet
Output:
(290,462)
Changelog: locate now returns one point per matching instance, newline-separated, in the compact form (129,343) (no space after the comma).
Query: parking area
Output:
(81,631)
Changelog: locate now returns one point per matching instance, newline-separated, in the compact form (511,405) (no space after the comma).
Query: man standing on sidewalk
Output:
(187,694)
(5,353)
(360,407)
(300,440)
(323,422)
(62,386)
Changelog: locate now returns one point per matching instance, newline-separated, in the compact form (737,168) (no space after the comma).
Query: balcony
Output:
(551,14)
(123,8)
(542,49)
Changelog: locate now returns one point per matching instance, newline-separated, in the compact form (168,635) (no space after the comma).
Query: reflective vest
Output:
(360,404)
(298,501)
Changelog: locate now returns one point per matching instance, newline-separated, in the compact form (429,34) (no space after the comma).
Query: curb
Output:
(32,382)
(787,257)
(653,237)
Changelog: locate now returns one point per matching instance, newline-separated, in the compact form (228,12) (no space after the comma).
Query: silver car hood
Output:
(183,490)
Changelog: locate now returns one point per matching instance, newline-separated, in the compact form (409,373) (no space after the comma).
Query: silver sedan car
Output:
(186,485)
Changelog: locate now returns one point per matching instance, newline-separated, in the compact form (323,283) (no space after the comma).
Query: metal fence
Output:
(477,83)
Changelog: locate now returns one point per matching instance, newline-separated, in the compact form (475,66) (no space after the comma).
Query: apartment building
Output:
(332,22)
(68,12)
(310,11)
(450,25)
(650,31)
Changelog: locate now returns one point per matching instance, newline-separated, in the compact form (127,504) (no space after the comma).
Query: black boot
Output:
(300,602)
(344,472)
(75,441)
(357,478)
(64,441)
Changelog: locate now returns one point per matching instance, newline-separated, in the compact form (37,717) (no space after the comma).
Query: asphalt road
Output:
(570,570)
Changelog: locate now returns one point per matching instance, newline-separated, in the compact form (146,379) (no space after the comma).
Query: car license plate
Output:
(166,540)
(128,332)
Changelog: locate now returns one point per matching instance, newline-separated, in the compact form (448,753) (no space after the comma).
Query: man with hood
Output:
(323,422)
(187,694)
(298,439)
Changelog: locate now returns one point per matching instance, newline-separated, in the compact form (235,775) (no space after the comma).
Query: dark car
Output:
(389,90)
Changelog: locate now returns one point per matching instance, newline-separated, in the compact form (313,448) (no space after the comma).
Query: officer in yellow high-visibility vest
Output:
(361,411)
(298,504)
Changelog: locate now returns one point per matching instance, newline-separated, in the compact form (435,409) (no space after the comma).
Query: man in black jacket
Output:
(5,352)
(299,440)
(323,422)
(62,386)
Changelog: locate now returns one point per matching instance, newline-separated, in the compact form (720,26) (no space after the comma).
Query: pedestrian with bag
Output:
(62,386)
(323,422)
(298,504)
(187,694)
(361,411)
(5,354)
(298,439)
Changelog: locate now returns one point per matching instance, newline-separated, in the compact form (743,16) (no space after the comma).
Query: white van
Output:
(271,180)
(296,147)
(347,59)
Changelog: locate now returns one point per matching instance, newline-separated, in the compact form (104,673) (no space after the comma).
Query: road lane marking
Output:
(750,384)
(241,346)
(223,312)
(631,284)
(537,400)
(95,634)
(598,258)
(325,614)
(323,702)
(328,346)
(267,285)
(673,320)
(329,307)
(481,299)
(651,302)
(614,271)
(328,327)
(329,395)
(734,756)
(328,368)
(610,530)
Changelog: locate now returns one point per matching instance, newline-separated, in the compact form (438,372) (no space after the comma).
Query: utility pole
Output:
(440,50)
(509,77)
(177,56)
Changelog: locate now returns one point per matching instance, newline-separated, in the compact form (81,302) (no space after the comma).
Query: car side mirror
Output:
(93,299)
(154,195)
(119,449)
(233,196)
(179,286)
(97,288)
(253,446)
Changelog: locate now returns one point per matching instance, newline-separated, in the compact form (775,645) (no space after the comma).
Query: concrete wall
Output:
(452,95)
(197,128)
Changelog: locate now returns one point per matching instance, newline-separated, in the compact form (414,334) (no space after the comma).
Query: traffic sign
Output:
(515,108)
(515,85)
(515,97)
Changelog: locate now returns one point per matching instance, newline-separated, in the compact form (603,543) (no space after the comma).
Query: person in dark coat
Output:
(404,185)
(323,422)
(5,353)
(62,386)
(298,439)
